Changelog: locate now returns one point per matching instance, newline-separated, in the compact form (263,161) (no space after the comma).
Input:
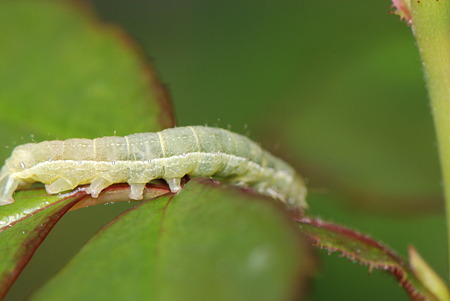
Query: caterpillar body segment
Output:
(140,158)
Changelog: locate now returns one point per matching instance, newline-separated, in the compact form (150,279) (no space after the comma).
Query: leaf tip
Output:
(402,8)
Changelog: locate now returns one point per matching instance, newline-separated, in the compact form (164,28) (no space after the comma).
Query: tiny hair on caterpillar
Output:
(137,159)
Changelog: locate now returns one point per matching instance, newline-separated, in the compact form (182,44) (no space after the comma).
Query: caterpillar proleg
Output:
(140,158)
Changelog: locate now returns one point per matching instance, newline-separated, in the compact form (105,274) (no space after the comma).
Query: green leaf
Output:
(66,75)
(206,243)
(361,248)
(24,225)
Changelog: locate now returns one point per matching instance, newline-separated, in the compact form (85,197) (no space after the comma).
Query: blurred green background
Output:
(335,87)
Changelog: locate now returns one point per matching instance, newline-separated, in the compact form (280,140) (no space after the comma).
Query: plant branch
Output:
(431,27)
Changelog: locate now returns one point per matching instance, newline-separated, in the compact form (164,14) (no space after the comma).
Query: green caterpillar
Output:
(140,158)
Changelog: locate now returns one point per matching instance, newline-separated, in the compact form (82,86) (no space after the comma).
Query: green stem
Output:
(431,26)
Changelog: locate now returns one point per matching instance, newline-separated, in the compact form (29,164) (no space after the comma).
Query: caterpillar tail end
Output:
(297,196)
(8,185)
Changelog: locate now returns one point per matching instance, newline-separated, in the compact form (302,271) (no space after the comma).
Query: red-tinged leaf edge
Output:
(162,95)
(402,8)
(34,239)
(395,265)
(160,90)
(78,199)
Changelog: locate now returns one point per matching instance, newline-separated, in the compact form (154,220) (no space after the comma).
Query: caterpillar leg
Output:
(97,185)
(8,185)
(174,184)
(137,191)
(61,184)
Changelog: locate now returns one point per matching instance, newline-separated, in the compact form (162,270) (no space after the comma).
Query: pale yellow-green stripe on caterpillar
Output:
(140,158)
